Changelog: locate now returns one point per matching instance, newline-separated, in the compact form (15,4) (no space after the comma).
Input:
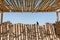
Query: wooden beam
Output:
(2,7)
(1,17)
(47,4)
(42,4)
(8,3)
(17,1)
(13,3)
(57,16)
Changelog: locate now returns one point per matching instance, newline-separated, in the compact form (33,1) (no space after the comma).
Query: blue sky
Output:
(29,17)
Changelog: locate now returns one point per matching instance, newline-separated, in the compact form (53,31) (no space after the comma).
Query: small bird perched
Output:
(37,23)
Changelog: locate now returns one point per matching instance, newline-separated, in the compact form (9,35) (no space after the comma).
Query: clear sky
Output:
(29,17)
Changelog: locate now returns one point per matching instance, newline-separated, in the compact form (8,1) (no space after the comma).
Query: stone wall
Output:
(9,31)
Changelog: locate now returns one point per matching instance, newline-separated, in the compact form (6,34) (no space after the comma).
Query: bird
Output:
(37,23)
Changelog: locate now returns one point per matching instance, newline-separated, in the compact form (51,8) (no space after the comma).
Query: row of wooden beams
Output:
(13,3)
(55,6)
(8,3)
(17,1)
(48,7)
(21,4)
(7,6)
(47,4)
(29,5)
(41,4)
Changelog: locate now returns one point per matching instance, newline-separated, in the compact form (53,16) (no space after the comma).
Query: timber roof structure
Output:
(29,5)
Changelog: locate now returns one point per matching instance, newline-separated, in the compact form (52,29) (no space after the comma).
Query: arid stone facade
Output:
(9,31)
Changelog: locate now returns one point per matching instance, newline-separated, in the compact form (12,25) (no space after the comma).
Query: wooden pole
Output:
(26,32)
(1,17)
(57,16)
